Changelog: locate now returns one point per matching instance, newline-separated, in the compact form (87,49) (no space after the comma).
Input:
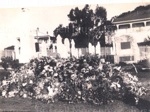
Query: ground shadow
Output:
(143,105)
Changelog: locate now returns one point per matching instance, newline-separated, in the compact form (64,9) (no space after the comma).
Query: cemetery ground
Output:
(21,104)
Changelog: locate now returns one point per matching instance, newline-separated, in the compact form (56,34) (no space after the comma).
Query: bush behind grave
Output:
(10,62)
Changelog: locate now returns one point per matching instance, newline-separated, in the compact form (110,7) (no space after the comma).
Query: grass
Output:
(19,104)
(26,105)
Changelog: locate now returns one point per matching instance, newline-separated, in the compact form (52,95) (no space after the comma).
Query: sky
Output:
(47,16)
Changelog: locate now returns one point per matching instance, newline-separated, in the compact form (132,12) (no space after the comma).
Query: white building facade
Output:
(125,41)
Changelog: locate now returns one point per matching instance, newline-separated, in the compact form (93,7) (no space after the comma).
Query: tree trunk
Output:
(95,49)
(70,53)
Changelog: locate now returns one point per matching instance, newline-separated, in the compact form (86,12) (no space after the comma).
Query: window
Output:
(126,58)
(37,48)
(148,23)
(137,25)
(124,26)
(125,45)
(45,41)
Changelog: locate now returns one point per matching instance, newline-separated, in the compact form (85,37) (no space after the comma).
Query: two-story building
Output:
(36,44)
(132,28)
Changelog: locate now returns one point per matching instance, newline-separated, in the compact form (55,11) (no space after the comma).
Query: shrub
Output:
(9,62)
(71,80)
(122,64)
(14,64)
(144,63)
(5,62)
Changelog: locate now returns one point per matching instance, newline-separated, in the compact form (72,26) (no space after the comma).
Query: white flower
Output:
(115,85)
(4,93)
(136,100)
(12,93)
(25,76)
(57,84)
(24,84)
(51,91)
(41,85)
(31,82)
(79,92)
(83,70)
(30,72)
(45,96)
(135,78)
(87,79)
(24,95)
(73,76)
(37,90)
(43,71)
(89,85)
(46,67)
(55,74)
(4,82)
(50,69)
(56,90)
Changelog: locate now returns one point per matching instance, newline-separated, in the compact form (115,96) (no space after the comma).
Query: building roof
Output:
(139,12)
(10,48)
(44,37)
(147,43)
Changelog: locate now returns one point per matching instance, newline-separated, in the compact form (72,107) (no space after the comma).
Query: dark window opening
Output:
(126,58)
(148,23)
(37,48)
(137,25)
(124,26)
(125,45)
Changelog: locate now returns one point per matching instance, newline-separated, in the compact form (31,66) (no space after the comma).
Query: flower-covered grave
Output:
(86,79)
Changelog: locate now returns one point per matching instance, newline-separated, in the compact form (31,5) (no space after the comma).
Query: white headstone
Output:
(79,52)
(61,48)
(73,49)
(67,45)
(91,49)
(98,49)
(43,49)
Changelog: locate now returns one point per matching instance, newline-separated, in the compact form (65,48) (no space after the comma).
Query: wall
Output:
(132,51)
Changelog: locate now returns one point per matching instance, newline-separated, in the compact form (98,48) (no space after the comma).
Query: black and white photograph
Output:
(74,56)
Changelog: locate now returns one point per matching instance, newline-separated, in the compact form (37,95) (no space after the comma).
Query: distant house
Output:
(134,25)
(46,45)
(35,45)
(9,52)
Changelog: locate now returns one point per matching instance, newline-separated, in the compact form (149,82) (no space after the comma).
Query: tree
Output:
(9,62)
(86,26)
(5,62)
(65,33)
(147,39)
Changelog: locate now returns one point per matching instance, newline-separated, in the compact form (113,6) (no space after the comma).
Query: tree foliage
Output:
(138,11)
(9,62)
(86,26)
